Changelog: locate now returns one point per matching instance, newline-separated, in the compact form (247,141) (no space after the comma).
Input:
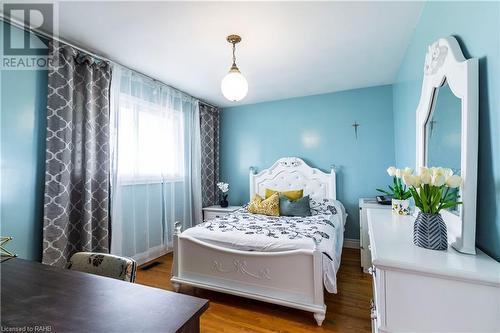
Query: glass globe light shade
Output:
(234,86)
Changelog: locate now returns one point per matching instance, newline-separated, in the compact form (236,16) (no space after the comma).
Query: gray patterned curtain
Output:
(76,213)
(209,132)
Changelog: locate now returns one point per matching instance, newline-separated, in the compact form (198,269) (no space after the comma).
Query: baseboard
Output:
(351,243)
(151,254)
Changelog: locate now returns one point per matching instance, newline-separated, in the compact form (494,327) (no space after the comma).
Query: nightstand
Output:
(364,241)
(213,212)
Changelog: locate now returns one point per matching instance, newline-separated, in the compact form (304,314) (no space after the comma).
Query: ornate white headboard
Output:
(292,173)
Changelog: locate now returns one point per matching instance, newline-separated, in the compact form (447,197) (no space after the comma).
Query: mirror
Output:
(447,131)
(443,130)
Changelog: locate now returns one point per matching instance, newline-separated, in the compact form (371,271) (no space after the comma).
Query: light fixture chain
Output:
(234,57)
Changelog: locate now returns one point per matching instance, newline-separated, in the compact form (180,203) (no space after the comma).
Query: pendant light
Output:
(234,86)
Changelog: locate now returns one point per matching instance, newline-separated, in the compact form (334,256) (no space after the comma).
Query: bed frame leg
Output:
(319,317)
(175,263)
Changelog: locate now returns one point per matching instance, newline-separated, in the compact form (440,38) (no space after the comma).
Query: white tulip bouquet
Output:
(430,188)
(398,190)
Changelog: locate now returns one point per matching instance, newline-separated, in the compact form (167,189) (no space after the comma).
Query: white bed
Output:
(286,261)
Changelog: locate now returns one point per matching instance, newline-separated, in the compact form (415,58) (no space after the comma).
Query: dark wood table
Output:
(41,298)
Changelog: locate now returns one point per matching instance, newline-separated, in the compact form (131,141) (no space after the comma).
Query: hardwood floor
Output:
(347,311)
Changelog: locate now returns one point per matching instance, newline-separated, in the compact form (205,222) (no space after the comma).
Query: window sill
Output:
(148,181)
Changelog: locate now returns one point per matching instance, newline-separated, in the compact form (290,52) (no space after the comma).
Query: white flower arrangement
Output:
(223,187)
(430,188)
(433,176)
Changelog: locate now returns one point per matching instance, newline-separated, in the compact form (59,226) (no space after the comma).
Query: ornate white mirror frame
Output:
(444,62)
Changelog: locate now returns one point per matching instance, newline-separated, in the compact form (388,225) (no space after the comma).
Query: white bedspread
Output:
(252,232)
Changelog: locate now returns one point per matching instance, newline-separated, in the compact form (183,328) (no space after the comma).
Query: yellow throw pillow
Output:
(292,195)
(269,206)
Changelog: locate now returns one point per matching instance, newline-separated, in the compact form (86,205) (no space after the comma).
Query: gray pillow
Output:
(298,207)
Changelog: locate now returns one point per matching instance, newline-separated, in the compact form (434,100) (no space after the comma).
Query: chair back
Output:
(103,264)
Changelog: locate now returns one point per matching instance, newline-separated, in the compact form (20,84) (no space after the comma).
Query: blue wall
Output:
(477,27)
(23,107)
(319,130)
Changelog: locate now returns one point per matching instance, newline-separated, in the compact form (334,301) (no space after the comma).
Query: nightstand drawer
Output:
(216,211)
(212,215)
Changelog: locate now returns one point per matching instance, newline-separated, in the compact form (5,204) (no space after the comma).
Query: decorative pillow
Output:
(323,206)
(298,207)
(292,195)
(269,206)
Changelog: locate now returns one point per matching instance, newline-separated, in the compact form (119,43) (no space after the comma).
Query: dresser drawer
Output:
(373,316)
(378,305)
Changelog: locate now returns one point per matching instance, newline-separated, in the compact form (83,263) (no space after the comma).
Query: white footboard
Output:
(289,278)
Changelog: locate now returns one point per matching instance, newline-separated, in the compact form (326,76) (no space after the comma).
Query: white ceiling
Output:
(288,49)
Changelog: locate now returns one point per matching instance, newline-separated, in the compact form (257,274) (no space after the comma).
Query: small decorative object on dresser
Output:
(431,191)
(398,191)
(216,211)
(224,188)
(364,241)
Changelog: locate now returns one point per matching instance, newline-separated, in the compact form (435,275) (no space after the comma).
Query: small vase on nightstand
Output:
(224,188)
(223,202)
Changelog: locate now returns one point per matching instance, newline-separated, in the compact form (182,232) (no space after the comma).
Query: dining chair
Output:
(116,267)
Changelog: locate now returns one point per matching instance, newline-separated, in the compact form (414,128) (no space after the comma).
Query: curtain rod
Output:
(17,23)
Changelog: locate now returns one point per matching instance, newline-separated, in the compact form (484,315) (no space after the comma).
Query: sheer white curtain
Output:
(155,165)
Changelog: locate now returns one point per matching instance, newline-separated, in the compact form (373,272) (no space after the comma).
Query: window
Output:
(150,141)
(155,141)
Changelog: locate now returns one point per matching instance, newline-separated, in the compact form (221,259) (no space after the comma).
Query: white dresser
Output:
(364,241)
(419,290)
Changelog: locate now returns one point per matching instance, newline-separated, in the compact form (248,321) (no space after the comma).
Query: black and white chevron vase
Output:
(429,232)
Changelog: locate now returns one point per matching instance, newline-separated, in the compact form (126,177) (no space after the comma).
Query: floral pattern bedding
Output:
(254,232)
